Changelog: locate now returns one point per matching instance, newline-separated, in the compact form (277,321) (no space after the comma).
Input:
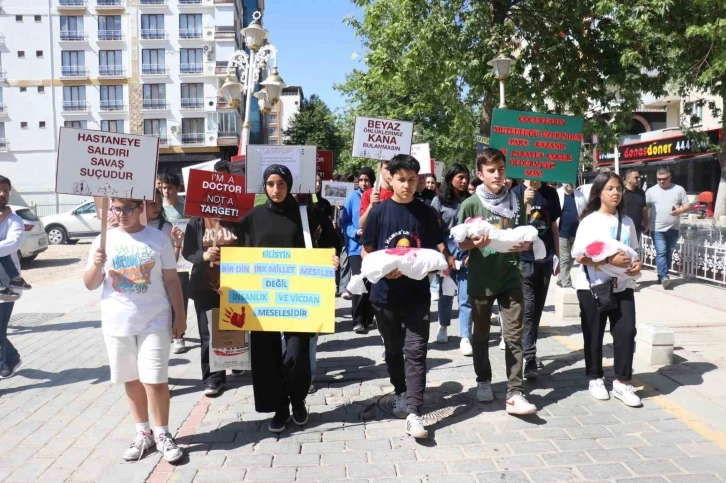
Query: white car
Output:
(78,223)
(35,240)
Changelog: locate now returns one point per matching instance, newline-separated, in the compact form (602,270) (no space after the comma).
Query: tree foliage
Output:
(316,125)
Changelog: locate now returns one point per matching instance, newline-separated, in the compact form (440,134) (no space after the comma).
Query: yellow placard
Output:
(277,289)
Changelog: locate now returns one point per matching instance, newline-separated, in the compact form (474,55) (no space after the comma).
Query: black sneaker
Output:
(19,283)
(212,389)
(9,371)
(530,369)
(359,328)
(279,421)
(7,295)
(300,414)
(238,372)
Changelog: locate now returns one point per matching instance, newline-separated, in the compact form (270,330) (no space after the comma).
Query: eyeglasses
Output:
(125,210)
(663,179)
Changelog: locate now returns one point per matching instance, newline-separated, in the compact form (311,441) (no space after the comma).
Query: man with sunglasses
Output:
(667,202)
(635,206)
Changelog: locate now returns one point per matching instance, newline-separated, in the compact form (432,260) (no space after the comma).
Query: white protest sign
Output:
(439,169)
(422,153)
(106,164)
(381,138)
(337,192)
(182,265)
(205,166)
(300,160)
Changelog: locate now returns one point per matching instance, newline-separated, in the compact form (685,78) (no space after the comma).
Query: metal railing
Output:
(3,108)
(110,70)
(188,103)
(154,34)
(74,71)
(110,35)
(155,104)
(193,138)
(76,106)
(3,74)
(225,29)
(190,2)
(109,3)
(72,3)
(112,105)
(154,69)
(190,33)
(73,36)
(228,134)
(4,144)
(153,2)
(190,68)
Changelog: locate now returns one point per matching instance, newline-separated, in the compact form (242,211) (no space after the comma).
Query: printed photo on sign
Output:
(337,192)
(300,160)
(230,349)
(381,139)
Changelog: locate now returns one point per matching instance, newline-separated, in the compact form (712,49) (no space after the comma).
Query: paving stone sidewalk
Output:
(61,420)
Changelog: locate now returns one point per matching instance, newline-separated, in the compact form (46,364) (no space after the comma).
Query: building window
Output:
(38,18)
(18,18)
(153,61)
(39,54)
(271,118)
(41,90)
(23,89)
(694,112)
(228,124)
(191,61)
(272,130)
(155,96)
(41,124)
(109,27)
(110,63)
(152,27)
(74,98)
(193,131)
(112,126)
(73,63)
(21,54)
(192,96)
(155,127)
(3,141)
(190,26)
(71,28)
(76,124)
(272,141)
(23,125)
(112,98)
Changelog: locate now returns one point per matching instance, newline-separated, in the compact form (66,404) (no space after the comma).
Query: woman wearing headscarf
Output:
(281,378)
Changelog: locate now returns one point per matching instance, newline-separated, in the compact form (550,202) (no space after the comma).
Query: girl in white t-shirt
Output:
(603,218)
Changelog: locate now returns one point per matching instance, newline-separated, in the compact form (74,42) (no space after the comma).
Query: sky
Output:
(314,46)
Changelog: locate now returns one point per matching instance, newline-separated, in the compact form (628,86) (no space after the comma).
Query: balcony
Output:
(113,105)
(110,71)
(227,138)
(224,32)
(190,34)
(192,138)
(4,145)
(192,103)
(110,35)
(72,4)
(154,69)
(73,36)
(154,34)
(74,71)
(153,3)
(3,75)
(155,105)
(110,4)
(189,3)
(190,68)
(79,107)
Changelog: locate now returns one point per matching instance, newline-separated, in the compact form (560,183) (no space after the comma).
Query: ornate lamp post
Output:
(501,65)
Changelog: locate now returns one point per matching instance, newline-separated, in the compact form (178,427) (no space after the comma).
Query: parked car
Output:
(35,241)
(70,226)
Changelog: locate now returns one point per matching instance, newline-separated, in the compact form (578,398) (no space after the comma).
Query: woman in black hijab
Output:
(282,379)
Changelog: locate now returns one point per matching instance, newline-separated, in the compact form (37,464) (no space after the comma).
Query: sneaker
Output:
(7,295)
(141,443)
(626,393)
(238,372)
(359,328)
(383,355)
(8,371)
(665,283)
(442,337)
(518,405)
(279,421)
(598,389)
(484,392)
(415,427)
(177,346)
(19,284)
(212,389)
(400,406)
(530,370)
(465,347)
(502,344)
(168,448)
(346,295)
(300,414)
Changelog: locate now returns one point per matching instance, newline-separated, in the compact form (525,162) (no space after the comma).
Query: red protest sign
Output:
(217,195)
(325,164)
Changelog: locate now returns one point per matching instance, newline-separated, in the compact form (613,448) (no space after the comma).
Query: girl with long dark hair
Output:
(603,218)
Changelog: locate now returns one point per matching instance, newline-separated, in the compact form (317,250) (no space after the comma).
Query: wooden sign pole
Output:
(104,222)
(215,234)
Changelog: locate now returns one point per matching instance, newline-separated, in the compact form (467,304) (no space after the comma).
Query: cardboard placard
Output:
(300,160)
(422,153)
(230,349)
(105,164)
(381,139)
(217,195)
(482,142)
(325,164)
(277,290)
(336,192)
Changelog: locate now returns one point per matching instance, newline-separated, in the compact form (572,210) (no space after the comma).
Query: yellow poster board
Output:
(277,289)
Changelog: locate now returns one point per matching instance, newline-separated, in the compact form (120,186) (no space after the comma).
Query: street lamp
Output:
(501,65)
(262,55)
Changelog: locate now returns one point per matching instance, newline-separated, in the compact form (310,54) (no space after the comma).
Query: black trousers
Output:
(405,332)
(622,328)
(201,306)
(278,378)
(362,308)
(535,284)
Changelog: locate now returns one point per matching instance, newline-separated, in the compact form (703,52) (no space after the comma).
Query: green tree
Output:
(316,125)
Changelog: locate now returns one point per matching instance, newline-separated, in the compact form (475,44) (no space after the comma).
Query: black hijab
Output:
(288,205)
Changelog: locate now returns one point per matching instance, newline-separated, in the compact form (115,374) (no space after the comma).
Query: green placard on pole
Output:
(543,147)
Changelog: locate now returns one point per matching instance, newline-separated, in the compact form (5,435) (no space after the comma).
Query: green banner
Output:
(543,147)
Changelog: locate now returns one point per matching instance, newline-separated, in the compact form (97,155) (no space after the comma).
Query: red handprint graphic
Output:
(232,317)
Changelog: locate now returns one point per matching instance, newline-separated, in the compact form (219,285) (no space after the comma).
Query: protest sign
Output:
(337,192)
(482,142)
(277,290)
(300,160)
(230,348)
(105,164)
(325,164)
(217,195)
(205,166)
(182,265)
(542,147)
(381,139)
(439,169)
(422,153)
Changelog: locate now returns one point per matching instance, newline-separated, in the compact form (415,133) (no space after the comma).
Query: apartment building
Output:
(149,67)
(278,121)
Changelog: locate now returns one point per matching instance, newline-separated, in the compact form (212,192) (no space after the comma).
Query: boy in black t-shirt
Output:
(401,304)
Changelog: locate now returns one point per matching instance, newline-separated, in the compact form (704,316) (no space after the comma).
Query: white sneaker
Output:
(141,443)
(484,392)
(166,445)
(518,405)
(415,427)
(502,345)
(442,337)
(598,389)
(177,346)
(465,347)
(626,393)
(400,407)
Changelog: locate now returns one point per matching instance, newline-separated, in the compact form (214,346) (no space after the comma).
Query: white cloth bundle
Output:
(415,263)
(501,241)
(598,250)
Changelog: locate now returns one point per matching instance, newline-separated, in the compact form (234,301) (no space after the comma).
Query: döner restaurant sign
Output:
(665,148)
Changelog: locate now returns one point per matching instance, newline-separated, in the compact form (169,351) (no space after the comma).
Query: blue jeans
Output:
(665,242)
(435,284)
(8,354)
(446,302)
